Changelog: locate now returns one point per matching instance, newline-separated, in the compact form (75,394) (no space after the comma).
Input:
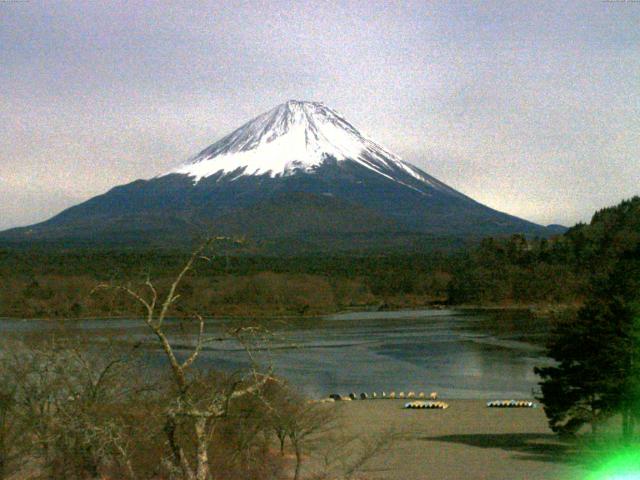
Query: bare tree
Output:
(189,408)
(300,421)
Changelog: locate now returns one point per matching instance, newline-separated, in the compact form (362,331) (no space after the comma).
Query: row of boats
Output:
(422,404)
(421,400)
(384,396)
(492,404)
(511,404)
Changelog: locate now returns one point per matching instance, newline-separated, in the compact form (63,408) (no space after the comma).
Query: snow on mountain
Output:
(295,136)
(300,171)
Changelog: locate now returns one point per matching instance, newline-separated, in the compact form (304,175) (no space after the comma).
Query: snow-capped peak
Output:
(294,136)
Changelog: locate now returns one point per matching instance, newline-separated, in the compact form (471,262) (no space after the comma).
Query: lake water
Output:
(458,354)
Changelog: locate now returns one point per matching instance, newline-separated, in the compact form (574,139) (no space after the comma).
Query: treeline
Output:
(557,270)
(61,283)
(497,271)
(516,271)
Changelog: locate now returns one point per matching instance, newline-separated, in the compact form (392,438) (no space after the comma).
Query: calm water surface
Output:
(458,354)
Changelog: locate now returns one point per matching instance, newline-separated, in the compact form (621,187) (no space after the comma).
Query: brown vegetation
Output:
(264,293)
(77,409)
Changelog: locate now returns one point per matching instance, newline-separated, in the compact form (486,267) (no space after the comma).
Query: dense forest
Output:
(596,375)
(496,271)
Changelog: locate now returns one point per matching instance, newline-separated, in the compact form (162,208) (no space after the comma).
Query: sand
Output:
(465,441)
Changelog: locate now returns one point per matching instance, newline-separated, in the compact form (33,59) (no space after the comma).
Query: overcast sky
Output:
(530,107)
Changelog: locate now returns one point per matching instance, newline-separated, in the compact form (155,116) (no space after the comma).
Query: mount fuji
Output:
(299,172)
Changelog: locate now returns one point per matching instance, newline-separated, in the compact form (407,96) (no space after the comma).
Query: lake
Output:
(459,354)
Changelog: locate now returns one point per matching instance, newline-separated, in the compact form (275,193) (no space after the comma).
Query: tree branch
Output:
(171,296)
(187,363)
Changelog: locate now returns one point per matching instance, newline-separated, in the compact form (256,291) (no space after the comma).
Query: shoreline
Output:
(537,310)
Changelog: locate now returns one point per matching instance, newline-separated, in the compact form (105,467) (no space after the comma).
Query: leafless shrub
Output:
(67,402)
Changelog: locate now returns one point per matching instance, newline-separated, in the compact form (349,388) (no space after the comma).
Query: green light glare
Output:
(621,465)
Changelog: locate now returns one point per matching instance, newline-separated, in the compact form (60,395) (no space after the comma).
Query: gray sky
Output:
(530,107)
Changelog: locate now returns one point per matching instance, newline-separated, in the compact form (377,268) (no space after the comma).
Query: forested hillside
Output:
(497,271)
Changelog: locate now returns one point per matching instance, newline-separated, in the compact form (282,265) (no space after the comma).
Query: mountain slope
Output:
(250,181)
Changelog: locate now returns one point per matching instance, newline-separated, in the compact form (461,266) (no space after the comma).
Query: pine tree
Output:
(597,352)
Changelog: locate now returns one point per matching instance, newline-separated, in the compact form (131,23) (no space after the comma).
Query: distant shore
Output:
(537,310)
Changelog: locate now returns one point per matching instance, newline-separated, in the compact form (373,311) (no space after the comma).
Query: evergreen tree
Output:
(598,355)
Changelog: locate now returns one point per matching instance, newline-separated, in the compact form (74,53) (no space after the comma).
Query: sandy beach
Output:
(466,441)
